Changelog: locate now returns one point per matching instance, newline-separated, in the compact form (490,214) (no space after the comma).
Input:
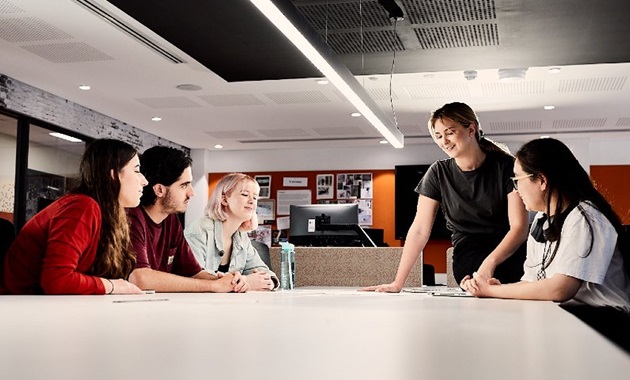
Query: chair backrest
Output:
(348,266)
(450,277)
(263,251)
(7,235)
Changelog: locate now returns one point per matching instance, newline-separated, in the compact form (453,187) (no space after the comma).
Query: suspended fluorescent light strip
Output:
(65,137)
(269,9)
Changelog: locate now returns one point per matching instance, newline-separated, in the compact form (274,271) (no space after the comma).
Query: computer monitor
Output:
(324,225)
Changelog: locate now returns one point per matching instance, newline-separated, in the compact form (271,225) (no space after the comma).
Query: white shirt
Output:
(605,282)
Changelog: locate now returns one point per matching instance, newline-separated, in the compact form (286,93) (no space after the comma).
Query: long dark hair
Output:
(114,258)
(461,113)
(569,181)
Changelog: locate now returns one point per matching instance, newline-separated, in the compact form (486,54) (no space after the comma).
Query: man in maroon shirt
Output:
(165,262)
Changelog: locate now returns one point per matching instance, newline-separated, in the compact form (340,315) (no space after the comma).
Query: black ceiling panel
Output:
(235,41)
(231,38)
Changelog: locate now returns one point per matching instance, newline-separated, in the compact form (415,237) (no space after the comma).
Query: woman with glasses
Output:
(576,248)
(485,215)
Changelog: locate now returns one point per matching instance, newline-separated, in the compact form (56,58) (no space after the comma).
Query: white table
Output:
(306,333)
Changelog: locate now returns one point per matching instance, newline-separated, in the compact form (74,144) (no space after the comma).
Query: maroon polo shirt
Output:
(161,246)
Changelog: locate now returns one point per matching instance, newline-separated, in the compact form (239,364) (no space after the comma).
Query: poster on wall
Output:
(286,198)
(266,209)
(325,186)
(264,181)
(365,210)
(354,185)
(261,234)
(295,181)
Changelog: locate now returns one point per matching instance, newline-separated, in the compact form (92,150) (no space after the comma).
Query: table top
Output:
(306,333)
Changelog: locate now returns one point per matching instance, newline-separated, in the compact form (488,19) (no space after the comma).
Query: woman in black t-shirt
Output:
(486,216)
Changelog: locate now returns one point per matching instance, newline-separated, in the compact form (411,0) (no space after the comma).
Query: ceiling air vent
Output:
(105,15)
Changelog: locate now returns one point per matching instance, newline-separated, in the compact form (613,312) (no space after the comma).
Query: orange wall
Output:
(382,205)
(613,181)
(7,215)
(383,193)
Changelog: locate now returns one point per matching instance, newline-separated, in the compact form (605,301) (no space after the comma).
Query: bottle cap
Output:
(286,246)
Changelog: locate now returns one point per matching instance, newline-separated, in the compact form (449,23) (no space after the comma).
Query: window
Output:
(53,165)
(8,141)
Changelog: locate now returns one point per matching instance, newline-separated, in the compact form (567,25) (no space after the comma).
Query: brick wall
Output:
(30,101)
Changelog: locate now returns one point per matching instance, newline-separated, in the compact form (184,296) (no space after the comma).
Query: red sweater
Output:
(54,251)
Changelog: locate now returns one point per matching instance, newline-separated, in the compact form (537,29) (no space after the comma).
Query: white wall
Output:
(41,158)
(197,204)
(378,157)
(590,150)
(53,161)
(610,152)
(7,157)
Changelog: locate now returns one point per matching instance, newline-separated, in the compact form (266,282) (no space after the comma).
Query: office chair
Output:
(7,235)
(263,251)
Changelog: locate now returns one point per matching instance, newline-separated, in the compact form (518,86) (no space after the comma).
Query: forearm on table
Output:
(205,275)
(558,288)
(146,278)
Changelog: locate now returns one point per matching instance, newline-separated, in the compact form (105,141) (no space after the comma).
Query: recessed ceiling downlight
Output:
(188,87)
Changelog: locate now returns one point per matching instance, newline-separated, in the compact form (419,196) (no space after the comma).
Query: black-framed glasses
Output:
(516,179)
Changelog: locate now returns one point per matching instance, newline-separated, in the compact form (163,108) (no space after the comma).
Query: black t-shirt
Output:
(473,202)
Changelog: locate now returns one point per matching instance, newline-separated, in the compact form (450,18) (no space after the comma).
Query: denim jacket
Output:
(206,242)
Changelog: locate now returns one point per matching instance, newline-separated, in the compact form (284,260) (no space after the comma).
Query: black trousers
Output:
(470,251)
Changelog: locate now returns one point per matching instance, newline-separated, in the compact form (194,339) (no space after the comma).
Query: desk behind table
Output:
(347,266)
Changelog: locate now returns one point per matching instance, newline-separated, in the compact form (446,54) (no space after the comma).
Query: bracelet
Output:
(110,281)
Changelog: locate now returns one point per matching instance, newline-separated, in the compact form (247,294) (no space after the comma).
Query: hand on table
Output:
(230,282)
(124,287)
(387,288)
(479,285)
(259,280)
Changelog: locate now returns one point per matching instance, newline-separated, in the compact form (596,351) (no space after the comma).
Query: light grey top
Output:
(205,239)
(604,280)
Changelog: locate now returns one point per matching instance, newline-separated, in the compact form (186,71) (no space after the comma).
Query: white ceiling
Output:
(57,45)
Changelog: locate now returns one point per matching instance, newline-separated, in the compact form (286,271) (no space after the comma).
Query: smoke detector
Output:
(512,75)
(470,74)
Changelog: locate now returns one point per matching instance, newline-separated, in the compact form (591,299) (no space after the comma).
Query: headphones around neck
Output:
(540,232)
(545,231)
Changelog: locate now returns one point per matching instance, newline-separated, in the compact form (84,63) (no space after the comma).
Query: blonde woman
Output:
(219,240)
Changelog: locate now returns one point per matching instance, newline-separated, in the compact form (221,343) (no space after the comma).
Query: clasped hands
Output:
(257,280)
(479,284)
(236,281)
(260,280)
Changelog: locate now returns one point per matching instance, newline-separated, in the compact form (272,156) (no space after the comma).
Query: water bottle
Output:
(287,266)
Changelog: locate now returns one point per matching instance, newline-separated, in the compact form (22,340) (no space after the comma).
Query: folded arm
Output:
(558,288)
(146,278)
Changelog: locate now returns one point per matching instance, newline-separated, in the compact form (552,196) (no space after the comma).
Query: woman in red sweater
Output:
(80,243)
